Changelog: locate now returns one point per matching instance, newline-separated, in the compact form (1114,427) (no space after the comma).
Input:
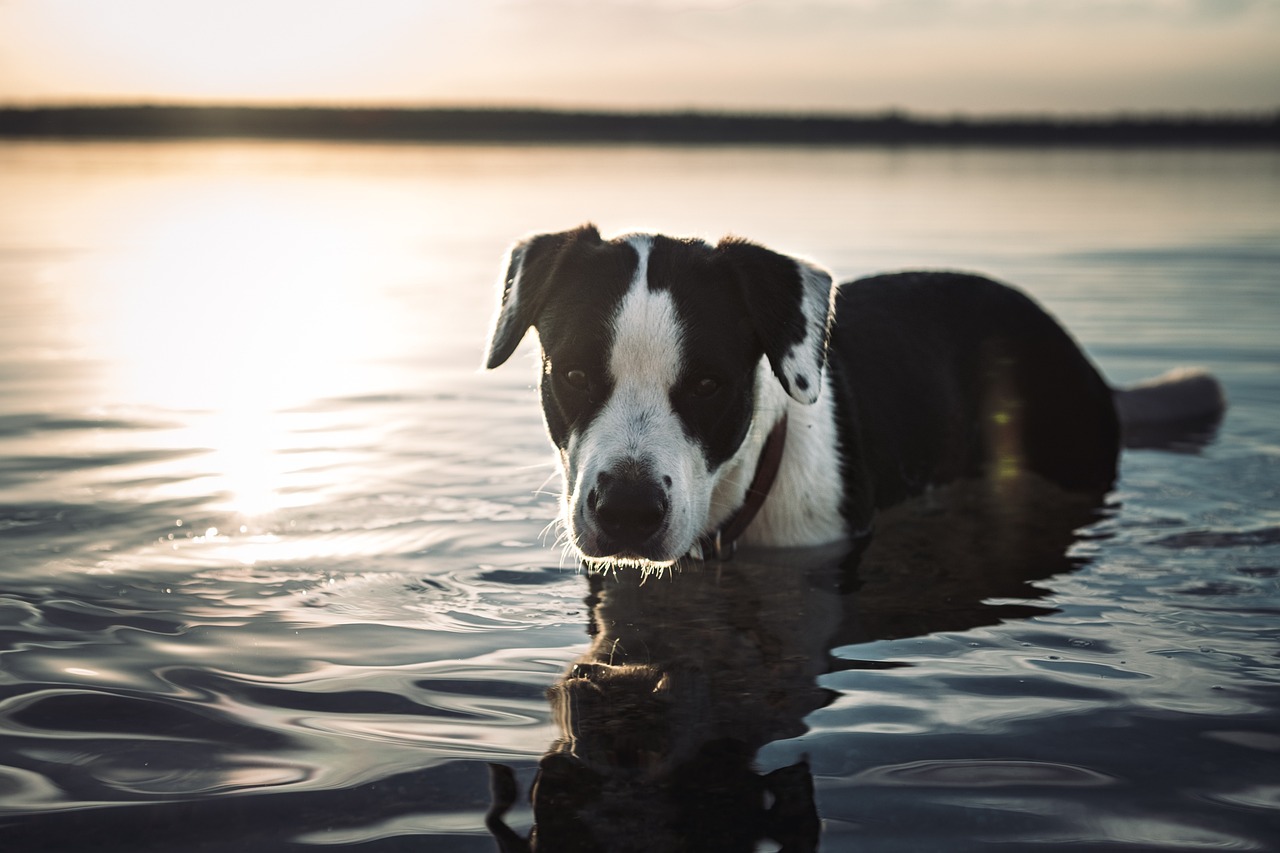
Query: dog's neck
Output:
(725,541)
(803,505)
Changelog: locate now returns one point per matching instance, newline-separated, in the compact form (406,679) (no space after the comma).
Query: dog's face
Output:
(651,355)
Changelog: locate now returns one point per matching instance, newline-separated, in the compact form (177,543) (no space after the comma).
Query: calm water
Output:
(275,570)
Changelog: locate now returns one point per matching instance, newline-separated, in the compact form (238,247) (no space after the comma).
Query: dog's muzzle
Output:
(628,512)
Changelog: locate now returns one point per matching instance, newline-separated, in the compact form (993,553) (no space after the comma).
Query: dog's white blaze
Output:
(638,424)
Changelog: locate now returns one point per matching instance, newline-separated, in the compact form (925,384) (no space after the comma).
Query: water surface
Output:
(275,565)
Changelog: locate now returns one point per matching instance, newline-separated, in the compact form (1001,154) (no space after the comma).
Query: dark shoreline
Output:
(562,126)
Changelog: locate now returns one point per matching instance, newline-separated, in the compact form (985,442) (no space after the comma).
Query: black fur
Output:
(720,345)
(925,367)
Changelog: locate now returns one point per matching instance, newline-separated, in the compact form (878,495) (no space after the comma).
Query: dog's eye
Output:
(577,379)
(704,387)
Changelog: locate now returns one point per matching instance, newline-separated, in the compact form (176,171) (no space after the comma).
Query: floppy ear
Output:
(788,302)
(530,266)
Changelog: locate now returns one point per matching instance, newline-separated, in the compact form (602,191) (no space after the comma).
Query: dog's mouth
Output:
(645,566)
(598,551)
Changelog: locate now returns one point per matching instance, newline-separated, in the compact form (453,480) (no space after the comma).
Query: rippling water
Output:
(276,571)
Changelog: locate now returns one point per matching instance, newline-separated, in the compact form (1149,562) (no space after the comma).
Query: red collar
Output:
(723,542)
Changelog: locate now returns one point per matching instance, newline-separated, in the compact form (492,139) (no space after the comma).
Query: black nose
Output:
(627,509)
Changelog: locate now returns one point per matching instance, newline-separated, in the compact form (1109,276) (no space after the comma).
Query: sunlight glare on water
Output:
(242,307)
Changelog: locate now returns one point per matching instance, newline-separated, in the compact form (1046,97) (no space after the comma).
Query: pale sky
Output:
(927,56)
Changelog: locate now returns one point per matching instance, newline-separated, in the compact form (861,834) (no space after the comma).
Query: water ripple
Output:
(1221,538)
(990,773)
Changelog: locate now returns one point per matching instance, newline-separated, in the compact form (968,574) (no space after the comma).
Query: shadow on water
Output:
(689,674)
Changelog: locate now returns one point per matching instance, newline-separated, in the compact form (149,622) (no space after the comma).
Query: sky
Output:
(923,56)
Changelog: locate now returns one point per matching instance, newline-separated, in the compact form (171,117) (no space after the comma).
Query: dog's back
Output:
(945,375)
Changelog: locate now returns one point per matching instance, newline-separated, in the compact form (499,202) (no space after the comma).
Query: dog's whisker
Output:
(549,528)
(535,466)
(543,485)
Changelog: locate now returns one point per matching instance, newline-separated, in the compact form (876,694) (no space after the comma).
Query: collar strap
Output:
(723,542)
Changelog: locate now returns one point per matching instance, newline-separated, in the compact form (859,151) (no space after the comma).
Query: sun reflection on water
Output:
(237,308)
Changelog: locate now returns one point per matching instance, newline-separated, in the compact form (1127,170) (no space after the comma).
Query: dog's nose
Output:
(628,510)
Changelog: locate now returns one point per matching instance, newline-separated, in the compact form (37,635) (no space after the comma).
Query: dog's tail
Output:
(1183,406)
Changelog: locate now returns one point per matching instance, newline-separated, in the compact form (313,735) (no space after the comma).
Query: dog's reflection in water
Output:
(690,673)
(687,676)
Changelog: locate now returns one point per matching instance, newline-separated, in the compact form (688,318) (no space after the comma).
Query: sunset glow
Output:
(979,56)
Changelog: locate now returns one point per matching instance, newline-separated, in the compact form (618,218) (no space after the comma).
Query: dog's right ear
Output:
(532,264)
(788,301)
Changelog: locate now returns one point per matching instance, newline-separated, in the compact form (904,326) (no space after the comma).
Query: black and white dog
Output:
(685,383)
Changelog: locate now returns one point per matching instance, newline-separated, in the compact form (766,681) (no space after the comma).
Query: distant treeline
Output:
(533,126)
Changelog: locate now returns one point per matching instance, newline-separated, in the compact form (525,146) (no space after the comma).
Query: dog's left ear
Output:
(788,301)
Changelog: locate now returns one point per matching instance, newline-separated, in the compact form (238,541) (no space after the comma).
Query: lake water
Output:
(275,565)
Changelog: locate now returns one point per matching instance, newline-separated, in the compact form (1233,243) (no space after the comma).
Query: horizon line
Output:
(533,125)
(887,111)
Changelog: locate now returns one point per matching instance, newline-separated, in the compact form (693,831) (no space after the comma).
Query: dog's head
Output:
(652,353)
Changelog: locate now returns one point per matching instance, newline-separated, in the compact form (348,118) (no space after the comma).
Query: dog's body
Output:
(668,365)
